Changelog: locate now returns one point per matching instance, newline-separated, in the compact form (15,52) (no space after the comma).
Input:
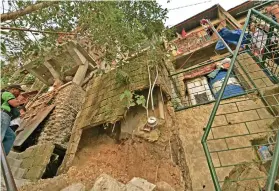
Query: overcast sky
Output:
(178,15)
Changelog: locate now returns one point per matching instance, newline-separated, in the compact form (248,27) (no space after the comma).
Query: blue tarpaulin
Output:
(230,37)
(232,88)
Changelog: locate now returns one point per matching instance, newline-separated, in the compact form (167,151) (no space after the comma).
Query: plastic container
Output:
(264,153)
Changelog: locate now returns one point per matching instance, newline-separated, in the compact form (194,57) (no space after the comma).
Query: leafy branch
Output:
(131,99)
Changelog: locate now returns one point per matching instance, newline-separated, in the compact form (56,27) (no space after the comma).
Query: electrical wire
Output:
(190,5)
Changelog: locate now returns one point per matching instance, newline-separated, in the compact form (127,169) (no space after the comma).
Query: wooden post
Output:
(160,104)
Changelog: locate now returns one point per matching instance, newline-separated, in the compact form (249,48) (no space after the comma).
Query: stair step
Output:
(13,154)
(14,162)
(21,182)
(18,172)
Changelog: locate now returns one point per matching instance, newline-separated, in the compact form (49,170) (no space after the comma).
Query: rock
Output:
(69,78)
(163,186)
(139,184)
(107,183)
(151,136)
(75,187)
(245,171)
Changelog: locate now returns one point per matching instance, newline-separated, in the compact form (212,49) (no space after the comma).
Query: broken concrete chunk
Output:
(151,136)
(163,186)
(139,184)
(107,183)
(75,187)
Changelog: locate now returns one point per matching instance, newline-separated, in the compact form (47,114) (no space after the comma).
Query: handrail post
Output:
(217,103)
(8,176)
(274,167)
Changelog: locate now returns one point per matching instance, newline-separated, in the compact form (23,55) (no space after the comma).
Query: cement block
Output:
(14,155)
(264,114)
(219,120)
(139,184)
(244,116)
(163,186)
(230,130)
(227,108)
(248,105)
(107,183)
(21,182)
(27,152)
(75,187)
(35,173)
(27,162)
(14,162)
(19,173)
(259,126)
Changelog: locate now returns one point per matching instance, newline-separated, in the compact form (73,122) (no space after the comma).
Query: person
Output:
(9,111)
(15,123)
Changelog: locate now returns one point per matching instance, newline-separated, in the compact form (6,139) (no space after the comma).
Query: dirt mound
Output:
(132,158)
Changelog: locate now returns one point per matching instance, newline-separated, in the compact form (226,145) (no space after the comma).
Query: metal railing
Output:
(257,64)
(6,172)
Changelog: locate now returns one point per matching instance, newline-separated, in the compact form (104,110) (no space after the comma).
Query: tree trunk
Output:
(29,9)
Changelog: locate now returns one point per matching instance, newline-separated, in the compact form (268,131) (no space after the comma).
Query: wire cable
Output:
(190,5)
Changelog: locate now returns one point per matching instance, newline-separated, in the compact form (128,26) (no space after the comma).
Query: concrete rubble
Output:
(107,183)
(139,184)
(163,186)
(75,187)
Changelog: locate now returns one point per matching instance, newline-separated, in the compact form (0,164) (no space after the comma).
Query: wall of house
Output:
(237,116)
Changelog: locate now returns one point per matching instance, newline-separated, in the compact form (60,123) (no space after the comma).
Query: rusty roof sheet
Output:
(102,103)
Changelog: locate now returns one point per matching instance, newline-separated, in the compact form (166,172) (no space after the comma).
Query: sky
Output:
(178,15)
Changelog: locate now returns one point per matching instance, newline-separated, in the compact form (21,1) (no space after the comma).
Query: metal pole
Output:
(216,106)
(8,176)
(237,50)
(273,172)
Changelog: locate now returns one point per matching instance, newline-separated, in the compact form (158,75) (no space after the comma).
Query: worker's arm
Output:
(15,102)
(12,101)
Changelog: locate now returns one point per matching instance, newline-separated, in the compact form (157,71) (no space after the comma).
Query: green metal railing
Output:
(264,53)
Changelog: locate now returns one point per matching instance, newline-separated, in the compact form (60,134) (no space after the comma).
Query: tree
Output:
(119,25)
(29,9)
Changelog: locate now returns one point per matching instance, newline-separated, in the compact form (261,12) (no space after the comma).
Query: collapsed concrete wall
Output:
(58,126)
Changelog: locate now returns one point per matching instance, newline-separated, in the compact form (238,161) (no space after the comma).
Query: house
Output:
(238,136)
(248,104)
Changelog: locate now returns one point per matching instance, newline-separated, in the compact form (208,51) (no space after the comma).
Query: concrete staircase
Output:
(18,173)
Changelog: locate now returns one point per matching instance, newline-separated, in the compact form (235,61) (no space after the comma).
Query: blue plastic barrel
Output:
(233,87)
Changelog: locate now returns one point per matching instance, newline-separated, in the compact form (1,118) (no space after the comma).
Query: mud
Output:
(134,157)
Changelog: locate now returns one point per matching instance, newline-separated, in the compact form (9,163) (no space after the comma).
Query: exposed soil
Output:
(133,157)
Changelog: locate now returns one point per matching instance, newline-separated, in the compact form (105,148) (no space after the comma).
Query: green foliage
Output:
(122,77)
(29,79)
(119,26)
(140,100)
(131,99)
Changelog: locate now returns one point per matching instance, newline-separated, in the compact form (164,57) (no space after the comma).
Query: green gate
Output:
(240,138)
